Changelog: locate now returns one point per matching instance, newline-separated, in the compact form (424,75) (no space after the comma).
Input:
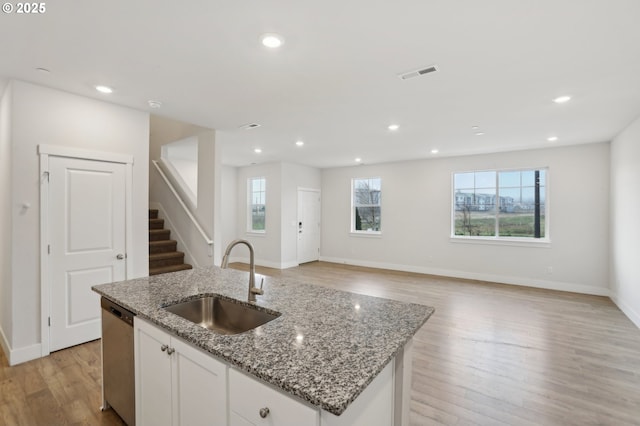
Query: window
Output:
(505,204)
(365,201)
(257,197)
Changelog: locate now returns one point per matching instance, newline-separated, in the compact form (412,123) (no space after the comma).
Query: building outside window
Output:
(500,204)
(257,204)
(366,207)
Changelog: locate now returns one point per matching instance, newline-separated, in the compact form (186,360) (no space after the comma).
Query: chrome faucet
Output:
(253,290)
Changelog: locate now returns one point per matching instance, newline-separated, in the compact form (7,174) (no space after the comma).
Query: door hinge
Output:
(49,321)
(46,175)
(48,248)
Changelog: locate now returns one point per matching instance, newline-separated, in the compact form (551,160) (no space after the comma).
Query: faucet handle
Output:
(256,290)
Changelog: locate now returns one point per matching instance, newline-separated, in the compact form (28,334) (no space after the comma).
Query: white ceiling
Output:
(334,83)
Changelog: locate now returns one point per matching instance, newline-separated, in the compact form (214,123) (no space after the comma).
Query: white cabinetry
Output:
(253,403)
(180,385)
(176,383)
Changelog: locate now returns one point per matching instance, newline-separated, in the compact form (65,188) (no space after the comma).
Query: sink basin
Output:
(222,316)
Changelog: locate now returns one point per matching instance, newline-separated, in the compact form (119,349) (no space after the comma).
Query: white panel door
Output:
(308,225)
(87,244)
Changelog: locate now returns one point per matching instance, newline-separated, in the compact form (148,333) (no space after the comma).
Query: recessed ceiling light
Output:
(299,143)
(393,127)
(434,151)
(155,104)
(552,138)
(475,127)
(104,89)
(257,150)
(272,40)
(358,159)
(479,133)
(562,99)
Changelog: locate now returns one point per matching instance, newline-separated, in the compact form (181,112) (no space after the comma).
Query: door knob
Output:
(120,256)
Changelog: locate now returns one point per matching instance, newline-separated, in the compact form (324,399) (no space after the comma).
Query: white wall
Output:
(190,241)
(416,215)
(6,208)
(45,116)
(625,223)
(228,208)
(181,157)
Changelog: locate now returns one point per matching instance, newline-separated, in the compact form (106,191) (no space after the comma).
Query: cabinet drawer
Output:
(248,396)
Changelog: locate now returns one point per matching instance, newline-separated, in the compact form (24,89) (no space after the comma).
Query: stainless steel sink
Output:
(222,316)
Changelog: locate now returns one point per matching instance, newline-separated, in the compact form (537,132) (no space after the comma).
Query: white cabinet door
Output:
(153,375)
(247,397)
(176,383)
(199,387)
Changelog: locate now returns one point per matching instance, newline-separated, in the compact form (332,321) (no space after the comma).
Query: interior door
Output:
(308,225)
(87,244)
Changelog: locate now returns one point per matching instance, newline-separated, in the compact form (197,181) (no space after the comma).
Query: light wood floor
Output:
(490,355)
(61,389)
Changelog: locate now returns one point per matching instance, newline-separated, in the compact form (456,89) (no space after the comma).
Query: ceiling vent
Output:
(249,126)
(417,73)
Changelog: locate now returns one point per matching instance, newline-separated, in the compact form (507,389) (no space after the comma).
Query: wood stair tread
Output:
(158,231)
(162,242)
(163,256)
(166,269)
(167,255)
(156,224)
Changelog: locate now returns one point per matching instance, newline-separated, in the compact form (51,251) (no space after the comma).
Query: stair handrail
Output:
(208,240)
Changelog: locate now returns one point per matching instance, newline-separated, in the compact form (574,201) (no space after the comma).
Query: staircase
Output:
(163,256)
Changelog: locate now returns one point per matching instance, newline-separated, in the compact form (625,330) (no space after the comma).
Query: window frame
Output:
(353,231)
(497,239)
(250,204)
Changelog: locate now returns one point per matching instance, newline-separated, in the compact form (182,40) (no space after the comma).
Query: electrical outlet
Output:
(549,269)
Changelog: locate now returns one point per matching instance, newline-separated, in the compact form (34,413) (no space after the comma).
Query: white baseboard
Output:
(265,263)
(521,281)
(25,354)
(631,313)
(20,355)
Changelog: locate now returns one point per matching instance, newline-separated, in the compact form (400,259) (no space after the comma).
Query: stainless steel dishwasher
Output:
(118,378)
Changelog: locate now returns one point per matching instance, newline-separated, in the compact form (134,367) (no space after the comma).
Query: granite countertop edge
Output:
(305,368)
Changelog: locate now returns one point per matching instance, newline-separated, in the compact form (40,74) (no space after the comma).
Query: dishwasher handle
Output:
(117,311)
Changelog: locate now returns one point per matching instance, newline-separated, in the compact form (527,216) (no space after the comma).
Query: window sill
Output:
(503,241)
(256,233)
(366,234)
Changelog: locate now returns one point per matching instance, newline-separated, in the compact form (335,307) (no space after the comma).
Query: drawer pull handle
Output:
(264,412)
(170,351)
(164,347)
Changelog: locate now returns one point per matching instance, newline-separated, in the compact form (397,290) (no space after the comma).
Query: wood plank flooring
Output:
(490,355)
(61,389)
(495,354)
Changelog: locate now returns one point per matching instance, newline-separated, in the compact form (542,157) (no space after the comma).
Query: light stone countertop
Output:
(347,338)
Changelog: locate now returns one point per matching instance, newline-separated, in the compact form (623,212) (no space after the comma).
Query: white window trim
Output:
(352,230)
(250,230)
(544,242)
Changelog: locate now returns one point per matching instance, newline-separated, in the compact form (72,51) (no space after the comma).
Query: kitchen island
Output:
(323,351)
